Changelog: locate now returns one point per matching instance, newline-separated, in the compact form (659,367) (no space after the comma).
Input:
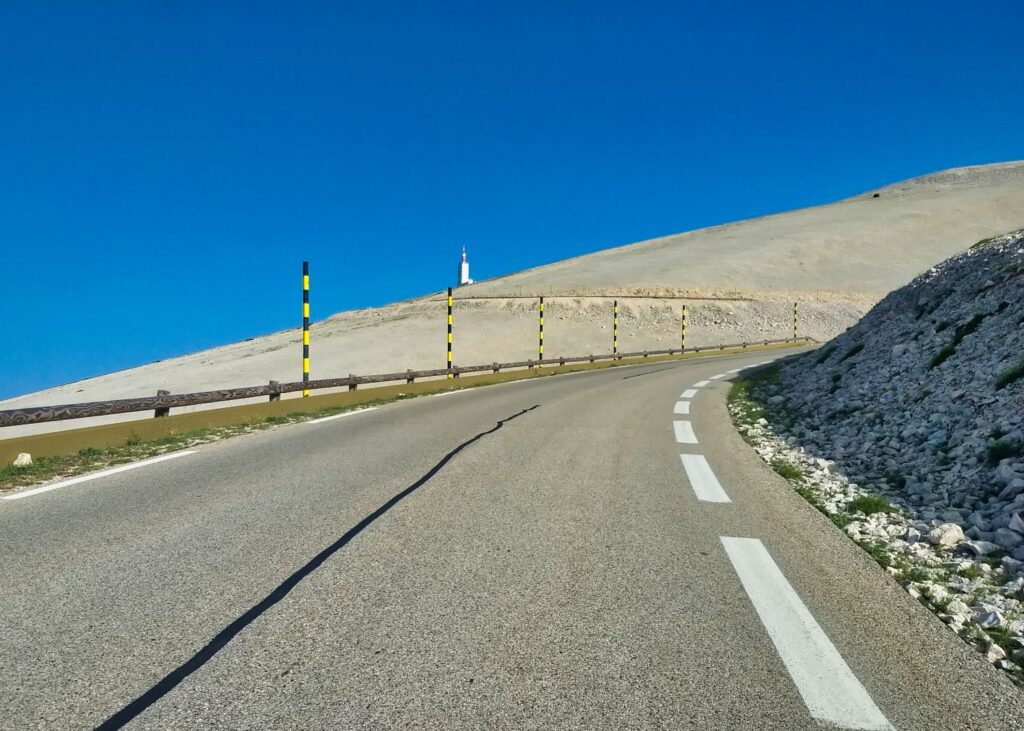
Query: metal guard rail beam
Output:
(40,414)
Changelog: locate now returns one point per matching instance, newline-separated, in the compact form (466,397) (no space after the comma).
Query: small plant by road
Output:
(787,469)
(869,504)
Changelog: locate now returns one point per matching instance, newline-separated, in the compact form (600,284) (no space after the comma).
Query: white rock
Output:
(1012,588)
(988,619)
(957,608)
(995,653)
(1008,538)
(947,534)
(981,548)
(1011,565)
(23,460)
(913,535)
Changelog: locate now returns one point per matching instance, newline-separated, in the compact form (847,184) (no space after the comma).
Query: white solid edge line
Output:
(682,407)
(688,393)
(322,419)
(703,481)
(449,393)
(684,432)
(97,475)
(827,685)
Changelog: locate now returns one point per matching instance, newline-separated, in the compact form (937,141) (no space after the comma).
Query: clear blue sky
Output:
(166,166)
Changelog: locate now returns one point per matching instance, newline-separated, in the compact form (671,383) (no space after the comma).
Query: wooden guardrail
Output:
(163,402)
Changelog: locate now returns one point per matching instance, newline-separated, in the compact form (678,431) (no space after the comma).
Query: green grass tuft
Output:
(877,552)
(939,358)
(869,504)
(1011,374)
(962,331)
(971,572)
(787,469)
(824,354)
(1004,449)
(854,349)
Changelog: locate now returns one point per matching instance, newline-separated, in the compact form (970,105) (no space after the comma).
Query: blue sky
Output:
(166,166)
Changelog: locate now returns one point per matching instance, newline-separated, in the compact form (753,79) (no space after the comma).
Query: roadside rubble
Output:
(908,431)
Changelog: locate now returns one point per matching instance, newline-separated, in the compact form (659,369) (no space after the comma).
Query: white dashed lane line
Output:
(720,375)
(684,432)
(97,475)
(682,407)
(702,479)
(688,393)
(829,689)
(701,384)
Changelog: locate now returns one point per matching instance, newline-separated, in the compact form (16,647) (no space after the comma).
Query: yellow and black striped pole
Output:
(305,328)
(449,332)
(615,327)
(794,321)
(540,352)
(682,341)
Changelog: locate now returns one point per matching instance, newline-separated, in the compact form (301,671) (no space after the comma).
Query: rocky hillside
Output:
(924,397)
(908,430)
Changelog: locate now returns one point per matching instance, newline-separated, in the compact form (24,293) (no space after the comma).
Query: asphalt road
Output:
(530,555)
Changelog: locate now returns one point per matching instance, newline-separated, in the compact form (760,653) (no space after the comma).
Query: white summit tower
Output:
(464,269)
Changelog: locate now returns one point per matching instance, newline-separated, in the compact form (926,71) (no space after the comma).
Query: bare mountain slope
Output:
(862,246)
(738,279)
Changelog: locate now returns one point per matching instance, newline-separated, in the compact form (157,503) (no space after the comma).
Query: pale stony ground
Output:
(739,281)
(916,403)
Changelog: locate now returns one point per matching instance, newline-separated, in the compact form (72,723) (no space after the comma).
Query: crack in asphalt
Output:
(222,638)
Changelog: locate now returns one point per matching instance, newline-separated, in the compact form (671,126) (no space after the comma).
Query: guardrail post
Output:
(162,410)
(495,368)
(275,395)
(410,378)
(645,353)
(449,332)
(615,327)
(352,386)
(794,321)
(456,372)
(561,361)
(305,327)
(591,358)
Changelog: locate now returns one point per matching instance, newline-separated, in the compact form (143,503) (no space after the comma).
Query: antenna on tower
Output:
(464,269)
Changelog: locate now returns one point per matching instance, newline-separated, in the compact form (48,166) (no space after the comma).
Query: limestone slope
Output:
(920,405)
(924,397)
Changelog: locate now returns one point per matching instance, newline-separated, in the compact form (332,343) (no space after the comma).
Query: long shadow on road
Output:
(176,676)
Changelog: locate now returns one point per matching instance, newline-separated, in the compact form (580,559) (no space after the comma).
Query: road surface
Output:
(592,551)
